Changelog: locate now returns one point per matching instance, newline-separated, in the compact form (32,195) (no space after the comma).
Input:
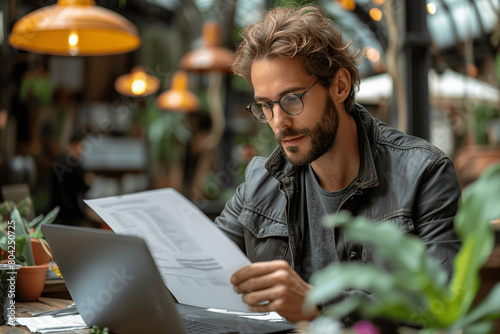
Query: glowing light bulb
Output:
(373,55)
(376,14)
(138,86)
(139,83)
(73,43)
(378,2)
(431,8)
(73,39)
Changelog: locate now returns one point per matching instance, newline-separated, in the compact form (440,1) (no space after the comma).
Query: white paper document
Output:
(47,324)
(194,257)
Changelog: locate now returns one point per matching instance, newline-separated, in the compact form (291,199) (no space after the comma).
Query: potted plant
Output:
(483,149)
(415,290)
(484,114)
(22,242)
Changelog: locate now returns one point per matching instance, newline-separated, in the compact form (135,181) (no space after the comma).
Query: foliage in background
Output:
(97,330)
(24,230)
(239,84)
(292,3)
(39,88)
(482,115)
(264,140)
(415,289)
(163,130)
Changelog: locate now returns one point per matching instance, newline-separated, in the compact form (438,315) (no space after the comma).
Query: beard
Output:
(322,136)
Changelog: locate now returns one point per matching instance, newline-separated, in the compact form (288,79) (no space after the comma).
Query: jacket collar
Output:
(367,138)
(279,167)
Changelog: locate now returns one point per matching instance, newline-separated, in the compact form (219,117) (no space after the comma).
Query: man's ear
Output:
(340,86)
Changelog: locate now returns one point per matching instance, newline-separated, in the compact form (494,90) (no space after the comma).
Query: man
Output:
(70,182)
(332,156)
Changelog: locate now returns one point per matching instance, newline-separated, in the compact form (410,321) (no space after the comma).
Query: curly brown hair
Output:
(305,33)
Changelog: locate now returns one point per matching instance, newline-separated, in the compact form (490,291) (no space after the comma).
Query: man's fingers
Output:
(261,297)
(259,283)
(275,305)
(260,308)
(256,298)
(264,281)
(272,286)
(257,269)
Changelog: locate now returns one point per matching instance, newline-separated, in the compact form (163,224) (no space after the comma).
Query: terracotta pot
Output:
(40,255)
(473,160)
(30,282)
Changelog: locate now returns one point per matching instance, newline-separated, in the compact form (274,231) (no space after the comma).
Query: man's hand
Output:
(273,286)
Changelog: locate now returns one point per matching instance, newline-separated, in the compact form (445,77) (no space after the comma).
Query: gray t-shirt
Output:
(319,241)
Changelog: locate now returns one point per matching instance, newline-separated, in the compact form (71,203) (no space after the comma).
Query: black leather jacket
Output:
(402,179)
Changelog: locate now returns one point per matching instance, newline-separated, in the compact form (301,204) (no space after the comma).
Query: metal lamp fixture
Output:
(74,27)
(178,98)
(211,56)
(137,83)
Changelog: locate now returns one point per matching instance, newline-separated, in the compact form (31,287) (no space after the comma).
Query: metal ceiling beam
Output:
(416,53)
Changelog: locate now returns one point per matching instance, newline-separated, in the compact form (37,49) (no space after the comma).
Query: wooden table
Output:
(26,309)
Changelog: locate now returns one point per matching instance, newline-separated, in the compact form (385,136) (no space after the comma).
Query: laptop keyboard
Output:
(197,327)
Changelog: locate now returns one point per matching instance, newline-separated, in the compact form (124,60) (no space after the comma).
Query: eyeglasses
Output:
(291,103)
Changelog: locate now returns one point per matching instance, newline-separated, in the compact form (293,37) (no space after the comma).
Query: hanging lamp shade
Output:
(211,56)
(74,27)
(178,98)
(137,83)
(349,5)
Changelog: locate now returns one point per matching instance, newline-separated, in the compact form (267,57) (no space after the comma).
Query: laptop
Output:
(115,283)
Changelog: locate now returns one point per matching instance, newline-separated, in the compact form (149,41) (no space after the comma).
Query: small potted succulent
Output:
(22,242)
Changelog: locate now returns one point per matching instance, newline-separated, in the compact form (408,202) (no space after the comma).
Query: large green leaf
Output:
(414,288)
(346,306)
(23,229)
(332,281)
(486,327)
(397,294)
(4,240)
(21,250)
(388,298)
(410,261)
(488,309)
(48,219)
(20,246)
(473,225)
(35,221)
(21,232)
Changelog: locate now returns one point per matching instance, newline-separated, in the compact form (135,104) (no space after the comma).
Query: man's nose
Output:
(280,119)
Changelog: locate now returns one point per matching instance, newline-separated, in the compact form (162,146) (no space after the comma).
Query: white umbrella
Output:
(449,85)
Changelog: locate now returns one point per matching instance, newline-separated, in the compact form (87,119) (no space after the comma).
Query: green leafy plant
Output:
(97,330)
(483,114)
(37,87)
(167,135)
(23,230)
(415,289)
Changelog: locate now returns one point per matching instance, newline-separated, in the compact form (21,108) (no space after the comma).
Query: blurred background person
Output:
(70,182)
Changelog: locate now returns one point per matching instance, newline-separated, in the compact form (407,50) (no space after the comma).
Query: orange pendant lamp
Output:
(211,56)
(178,98)
(349,5)
(75,28)
(137,83)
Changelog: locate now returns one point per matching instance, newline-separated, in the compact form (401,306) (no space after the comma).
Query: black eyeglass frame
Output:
(270,104)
